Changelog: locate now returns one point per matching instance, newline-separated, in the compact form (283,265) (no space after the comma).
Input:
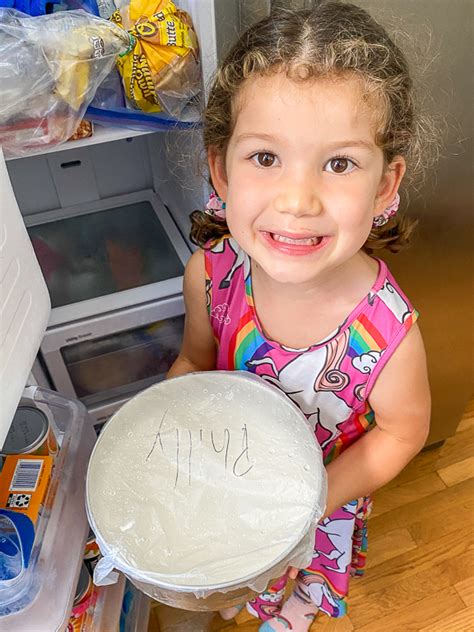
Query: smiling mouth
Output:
(295,245)
(297,241)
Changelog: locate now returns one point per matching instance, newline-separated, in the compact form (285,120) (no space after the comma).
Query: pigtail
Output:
(206,229)
(393,236)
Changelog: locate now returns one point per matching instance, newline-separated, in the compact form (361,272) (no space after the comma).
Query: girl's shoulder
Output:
(387,295)
(223,257)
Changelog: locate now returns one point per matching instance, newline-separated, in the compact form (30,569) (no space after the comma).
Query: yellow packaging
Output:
(165,55)
(24,482)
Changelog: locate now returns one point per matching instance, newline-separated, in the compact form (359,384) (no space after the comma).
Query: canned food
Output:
(30,433)
(84,602)
(91,552)
(92,548)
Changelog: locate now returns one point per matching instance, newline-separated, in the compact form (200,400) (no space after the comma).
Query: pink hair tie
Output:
(389,212)
(215,207)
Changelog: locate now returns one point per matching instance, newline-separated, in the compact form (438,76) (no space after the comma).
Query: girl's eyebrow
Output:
(352,143)
(255,136)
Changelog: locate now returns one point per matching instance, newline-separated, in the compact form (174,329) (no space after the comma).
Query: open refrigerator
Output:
(115,162)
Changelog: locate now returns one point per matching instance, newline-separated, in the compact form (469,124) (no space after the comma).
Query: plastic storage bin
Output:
(135,610)
(41,599)
(108,608)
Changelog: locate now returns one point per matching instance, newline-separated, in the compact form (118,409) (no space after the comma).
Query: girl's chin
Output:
(287,274)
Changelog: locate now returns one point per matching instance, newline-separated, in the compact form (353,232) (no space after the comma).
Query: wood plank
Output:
(436,458)
(375,604)
(457,448)
(442,523)
(457,472)
(392,498)
(467,421)
(424,612)
(469,408)
(218,625)
(389,545)
(417,561)
(329,624)
(462,621)
(172,619)
(465,590)
(443,501)
(423,464)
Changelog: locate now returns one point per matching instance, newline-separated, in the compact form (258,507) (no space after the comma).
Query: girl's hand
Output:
(293,572)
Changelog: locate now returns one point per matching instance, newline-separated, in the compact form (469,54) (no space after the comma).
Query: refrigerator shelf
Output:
(102,134)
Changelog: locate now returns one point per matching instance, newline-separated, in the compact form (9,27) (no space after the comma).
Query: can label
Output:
(91,553)
(83,609)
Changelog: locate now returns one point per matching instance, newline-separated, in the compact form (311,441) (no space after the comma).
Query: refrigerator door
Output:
(436,271)
(24,303)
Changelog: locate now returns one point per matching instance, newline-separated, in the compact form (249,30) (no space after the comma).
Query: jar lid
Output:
(27,431)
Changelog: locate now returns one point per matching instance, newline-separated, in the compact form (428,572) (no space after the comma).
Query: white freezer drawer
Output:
(108,255)
(114,355)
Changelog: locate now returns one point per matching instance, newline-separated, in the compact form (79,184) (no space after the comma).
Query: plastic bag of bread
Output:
(51,67)
(162,71)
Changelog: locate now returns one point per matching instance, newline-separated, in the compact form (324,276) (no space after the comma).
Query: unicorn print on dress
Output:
(241,259)
(336,557)
(394,301)
(314,589)
(317,371)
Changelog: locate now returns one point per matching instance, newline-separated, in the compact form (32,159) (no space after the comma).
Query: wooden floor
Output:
(420,574)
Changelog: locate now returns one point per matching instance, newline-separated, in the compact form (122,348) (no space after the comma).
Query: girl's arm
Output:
(198,350)
(401,403)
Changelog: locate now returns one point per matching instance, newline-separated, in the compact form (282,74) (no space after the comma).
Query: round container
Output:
(84,601)
(30,433)
(205,487)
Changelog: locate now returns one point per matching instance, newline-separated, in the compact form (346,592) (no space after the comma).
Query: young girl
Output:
(309,128)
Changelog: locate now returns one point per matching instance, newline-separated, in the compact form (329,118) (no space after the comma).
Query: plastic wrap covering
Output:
(51,67)
(162,73)
(204,488)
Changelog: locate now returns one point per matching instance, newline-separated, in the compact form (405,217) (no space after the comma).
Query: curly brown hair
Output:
(332,39)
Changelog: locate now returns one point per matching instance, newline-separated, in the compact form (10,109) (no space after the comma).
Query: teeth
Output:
(310,241)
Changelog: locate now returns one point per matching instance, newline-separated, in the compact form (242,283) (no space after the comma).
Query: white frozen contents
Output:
(205,479)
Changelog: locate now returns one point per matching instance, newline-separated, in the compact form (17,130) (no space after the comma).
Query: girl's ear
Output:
(389,183)
(217,170)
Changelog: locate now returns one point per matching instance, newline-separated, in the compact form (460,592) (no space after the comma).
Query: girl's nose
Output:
(298,196)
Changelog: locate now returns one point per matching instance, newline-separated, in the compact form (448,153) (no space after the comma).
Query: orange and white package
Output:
(24,482)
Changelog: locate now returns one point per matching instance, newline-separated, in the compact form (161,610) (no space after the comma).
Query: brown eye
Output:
(265,159)
(339,165)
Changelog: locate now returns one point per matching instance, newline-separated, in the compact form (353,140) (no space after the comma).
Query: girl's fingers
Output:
(293,572)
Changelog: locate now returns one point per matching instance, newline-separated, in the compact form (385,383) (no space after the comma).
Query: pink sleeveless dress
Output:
(330,382)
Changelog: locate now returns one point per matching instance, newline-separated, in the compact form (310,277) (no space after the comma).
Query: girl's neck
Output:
(299,316)
(350,280)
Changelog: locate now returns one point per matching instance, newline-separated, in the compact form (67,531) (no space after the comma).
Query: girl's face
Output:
(302,177)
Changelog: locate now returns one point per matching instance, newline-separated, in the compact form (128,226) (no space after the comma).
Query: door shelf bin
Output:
(108,607)
(42,598)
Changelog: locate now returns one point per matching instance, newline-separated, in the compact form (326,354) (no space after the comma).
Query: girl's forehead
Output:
(327,105)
